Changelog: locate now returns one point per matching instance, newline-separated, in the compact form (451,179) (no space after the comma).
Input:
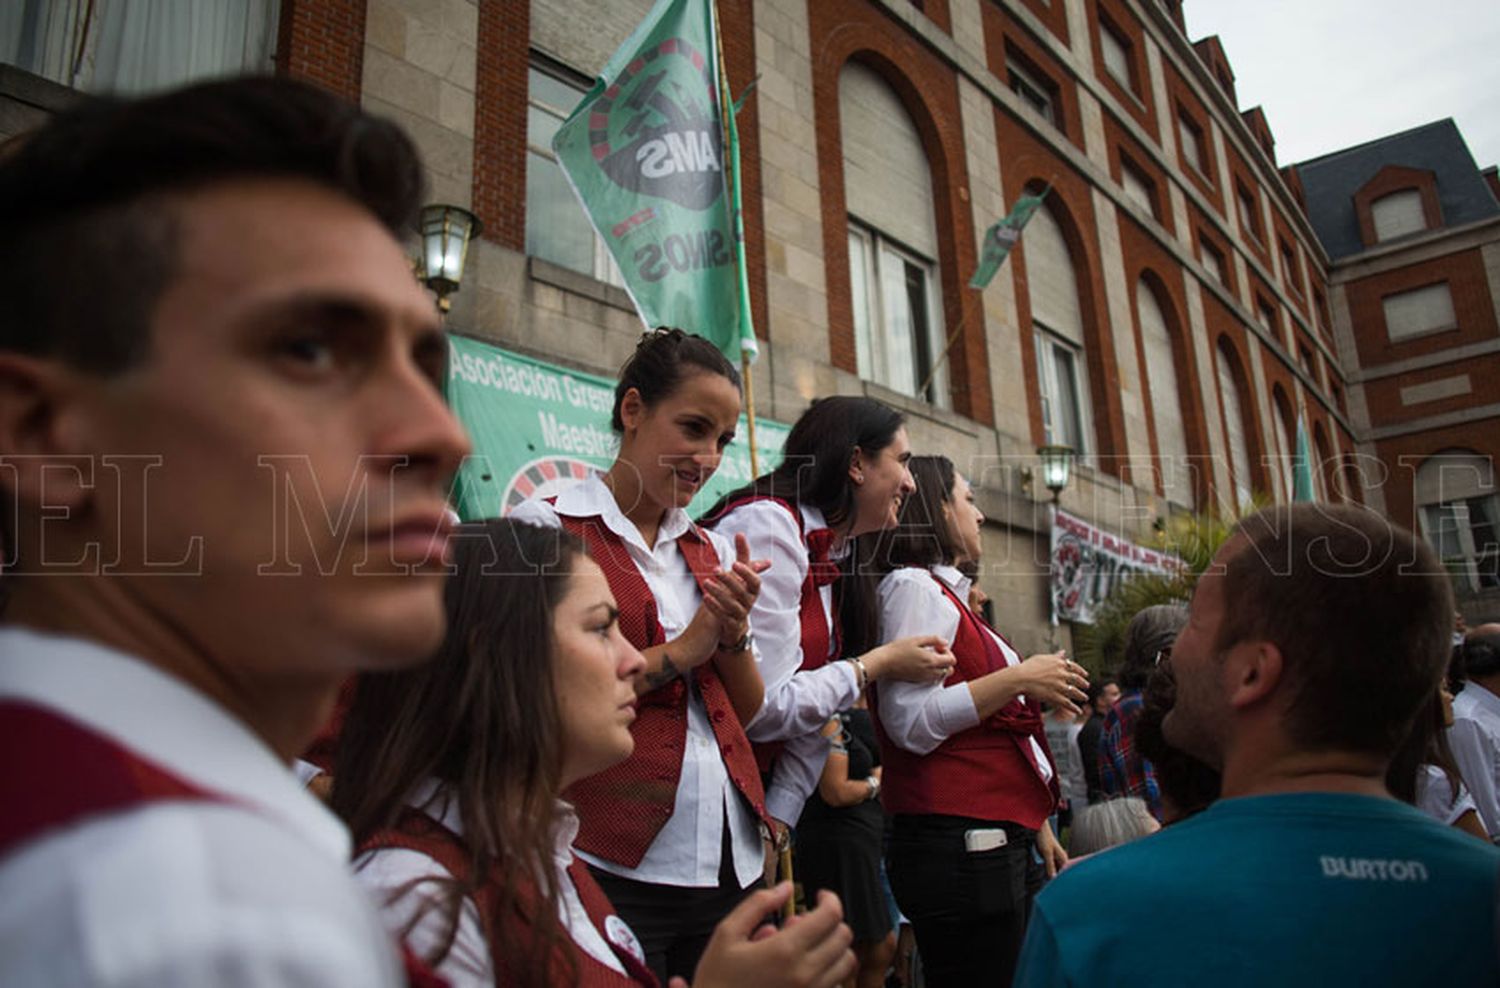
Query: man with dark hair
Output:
(224,456)
(1475,734)
(1306,871)
(1123,771)
(1102,694)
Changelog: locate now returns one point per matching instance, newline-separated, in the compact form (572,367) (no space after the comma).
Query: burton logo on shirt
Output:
(1373,869)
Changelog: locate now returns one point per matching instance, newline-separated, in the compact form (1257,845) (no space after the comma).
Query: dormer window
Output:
(1398,214)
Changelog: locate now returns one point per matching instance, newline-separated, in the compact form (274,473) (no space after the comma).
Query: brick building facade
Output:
(1172,311)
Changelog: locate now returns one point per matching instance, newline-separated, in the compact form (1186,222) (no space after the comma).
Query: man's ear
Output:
(40,453)
(1253,671)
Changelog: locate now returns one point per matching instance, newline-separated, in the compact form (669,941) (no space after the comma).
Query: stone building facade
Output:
(1171,312)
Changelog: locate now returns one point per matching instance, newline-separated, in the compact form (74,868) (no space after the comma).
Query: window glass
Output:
(1398,214)
(557,228)
(138,46)
(1422,310)
(1116,52)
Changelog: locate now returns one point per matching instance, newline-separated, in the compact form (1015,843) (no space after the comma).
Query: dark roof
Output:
(1332,180)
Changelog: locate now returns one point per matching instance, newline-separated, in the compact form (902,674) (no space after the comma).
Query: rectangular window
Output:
(897,334)
(1249,214)
(1398,214)
(1137,186)
(1428,309)
(130,48)
(1193,151)
(1289,271)
(1034,88)
(1116,51)
(1213,260)
(1064,400)
(557,229)
(1266,315)
(1465,536)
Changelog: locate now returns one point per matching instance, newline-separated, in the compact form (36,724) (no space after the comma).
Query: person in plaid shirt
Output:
(1122,770)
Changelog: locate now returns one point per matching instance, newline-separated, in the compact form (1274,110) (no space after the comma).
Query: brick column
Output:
(323,42)
(500,91)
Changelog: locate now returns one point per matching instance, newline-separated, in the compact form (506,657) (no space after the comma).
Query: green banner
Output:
(537,427)
(1000,238)
(645,152)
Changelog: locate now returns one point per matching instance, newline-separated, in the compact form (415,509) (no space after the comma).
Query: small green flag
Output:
(1302,480)
(1001,237)
(646,154)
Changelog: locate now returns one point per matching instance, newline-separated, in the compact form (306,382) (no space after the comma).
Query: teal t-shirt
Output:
(1298,889)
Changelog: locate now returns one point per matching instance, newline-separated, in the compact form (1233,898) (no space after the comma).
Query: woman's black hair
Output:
(1150,631)
(922,536)
(1188,784)
(814,470)
(662,360)
(1426,744)
(815,459)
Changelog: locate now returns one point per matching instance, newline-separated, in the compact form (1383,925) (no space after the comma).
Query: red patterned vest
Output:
(988,772)
(418,832)
(55,773)
(622,809)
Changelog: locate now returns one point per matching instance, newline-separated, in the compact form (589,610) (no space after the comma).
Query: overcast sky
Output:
(1335,73)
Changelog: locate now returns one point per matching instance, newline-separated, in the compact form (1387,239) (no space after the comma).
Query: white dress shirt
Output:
(921,716)
(402,881)
(252,892)
(797,703)
(687,850)
(1475,740)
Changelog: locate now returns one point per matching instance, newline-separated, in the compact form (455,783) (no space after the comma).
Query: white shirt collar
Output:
(165,721)
(439,802)
(953,579)
(592,497)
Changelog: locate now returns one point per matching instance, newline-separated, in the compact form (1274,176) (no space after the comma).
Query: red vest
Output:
(55,773)
(418,832)
(622,809)
(988,772)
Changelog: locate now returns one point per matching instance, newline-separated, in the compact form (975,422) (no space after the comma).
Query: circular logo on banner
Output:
(543,477)
(652,134)
(621,935)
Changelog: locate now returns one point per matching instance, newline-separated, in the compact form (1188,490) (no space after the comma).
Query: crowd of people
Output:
(571,746)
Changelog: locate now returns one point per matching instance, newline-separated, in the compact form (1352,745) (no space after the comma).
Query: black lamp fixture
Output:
(446,232)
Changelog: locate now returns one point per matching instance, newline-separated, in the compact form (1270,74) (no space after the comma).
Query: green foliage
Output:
(1194,539)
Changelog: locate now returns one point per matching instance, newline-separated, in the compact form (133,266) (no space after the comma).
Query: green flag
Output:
(645,152)
(1000,238)
(1302,481)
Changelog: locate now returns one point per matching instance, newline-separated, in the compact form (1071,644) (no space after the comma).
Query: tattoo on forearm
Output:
(664,675)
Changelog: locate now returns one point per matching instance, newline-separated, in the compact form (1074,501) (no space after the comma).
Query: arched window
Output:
(1324,465)
(1285,436)
(1057,322)
(1234,427)
(1459,511)
(1164,401)
(893,244)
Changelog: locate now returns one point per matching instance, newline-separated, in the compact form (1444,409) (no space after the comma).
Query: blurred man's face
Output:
(291,398)
(1197,721)
(1109,695)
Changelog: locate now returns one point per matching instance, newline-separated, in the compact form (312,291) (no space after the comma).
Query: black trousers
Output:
(967,909)
(674,923)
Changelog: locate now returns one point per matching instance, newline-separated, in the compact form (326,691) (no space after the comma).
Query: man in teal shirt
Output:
(1313,640)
